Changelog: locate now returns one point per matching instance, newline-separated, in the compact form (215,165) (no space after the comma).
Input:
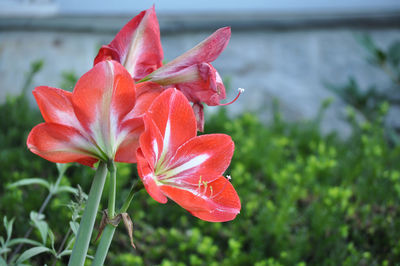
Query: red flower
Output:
(136,46)
(173,162)
(192,72)
(90,123)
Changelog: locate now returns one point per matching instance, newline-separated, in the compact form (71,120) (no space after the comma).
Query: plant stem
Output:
(135,188)
(60,249)
(82,240)
(104,245)
(112,189)
(108,233)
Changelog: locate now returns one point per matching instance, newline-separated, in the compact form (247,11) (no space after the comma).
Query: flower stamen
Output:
(240,91)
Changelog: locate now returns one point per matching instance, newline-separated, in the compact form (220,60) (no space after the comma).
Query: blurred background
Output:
(317,161)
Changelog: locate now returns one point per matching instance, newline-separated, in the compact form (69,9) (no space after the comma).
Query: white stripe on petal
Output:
(166,141)
(194,162)
(155,148)
(167,136)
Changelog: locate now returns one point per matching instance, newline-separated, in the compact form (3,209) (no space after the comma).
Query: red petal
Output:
(61,144)
(55,106)
(174,117)
(137,44)
(146,172)
(101,99)
(151,142)
(198,110)
(206,51)
(207,88)
(205,157)
(146,93)
(129,135)
(215,202)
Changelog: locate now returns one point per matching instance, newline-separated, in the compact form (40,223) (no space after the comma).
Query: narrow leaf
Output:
(31,253)
(4,250)
(66,189)
(2,262)
(9,229)
(30,181)
(23,240)
(74,227)
(40,225)
(65,252)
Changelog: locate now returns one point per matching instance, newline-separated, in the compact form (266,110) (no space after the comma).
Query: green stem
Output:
(82,240)
(112,189)
(105,242)
(135,188)
(108,233)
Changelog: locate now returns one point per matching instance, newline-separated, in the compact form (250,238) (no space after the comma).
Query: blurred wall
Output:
(288,57)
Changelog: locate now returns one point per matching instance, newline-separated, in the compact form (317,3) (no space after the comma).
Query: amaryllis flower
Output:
(90,123)
(192,72)
(175,163)
(136,46)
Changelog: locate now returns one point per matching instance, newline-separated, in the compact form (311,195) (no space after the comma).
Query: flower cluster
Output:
(131,108)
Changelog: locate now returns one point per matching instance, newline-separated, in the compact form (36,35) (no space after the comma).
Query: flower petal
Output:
(204,157)
(151,142)
(101,99)
(198,110)
(146,93)
(206,51)
(56,106)
(145,173)
(61,144)
(216,201)
(136,46)
(174,117)
(129,138)
(207,88)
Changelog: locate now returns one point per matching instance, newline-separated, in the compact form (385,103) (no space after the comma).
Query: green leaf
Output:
(66,189)
(4,250)
(2,262)
(31,253)
(51,236)
(23,240)
(65,252)
(30,181)
(74,227)
(41,225)
(8,225)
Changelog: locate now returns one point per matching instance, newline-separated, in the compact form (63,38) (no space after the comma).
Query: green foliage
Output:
(307,198)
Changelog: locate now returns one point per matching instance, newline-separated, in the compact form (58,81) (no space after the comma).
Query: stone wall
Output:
(291,64)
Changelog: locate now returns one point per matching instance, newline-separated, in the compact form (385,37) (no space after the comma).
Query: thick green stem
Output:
(104,245)
(88,218)
(108,233)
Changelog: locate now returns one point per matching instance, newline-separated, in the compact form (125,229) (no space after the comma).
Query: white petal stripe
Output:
(196,161)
